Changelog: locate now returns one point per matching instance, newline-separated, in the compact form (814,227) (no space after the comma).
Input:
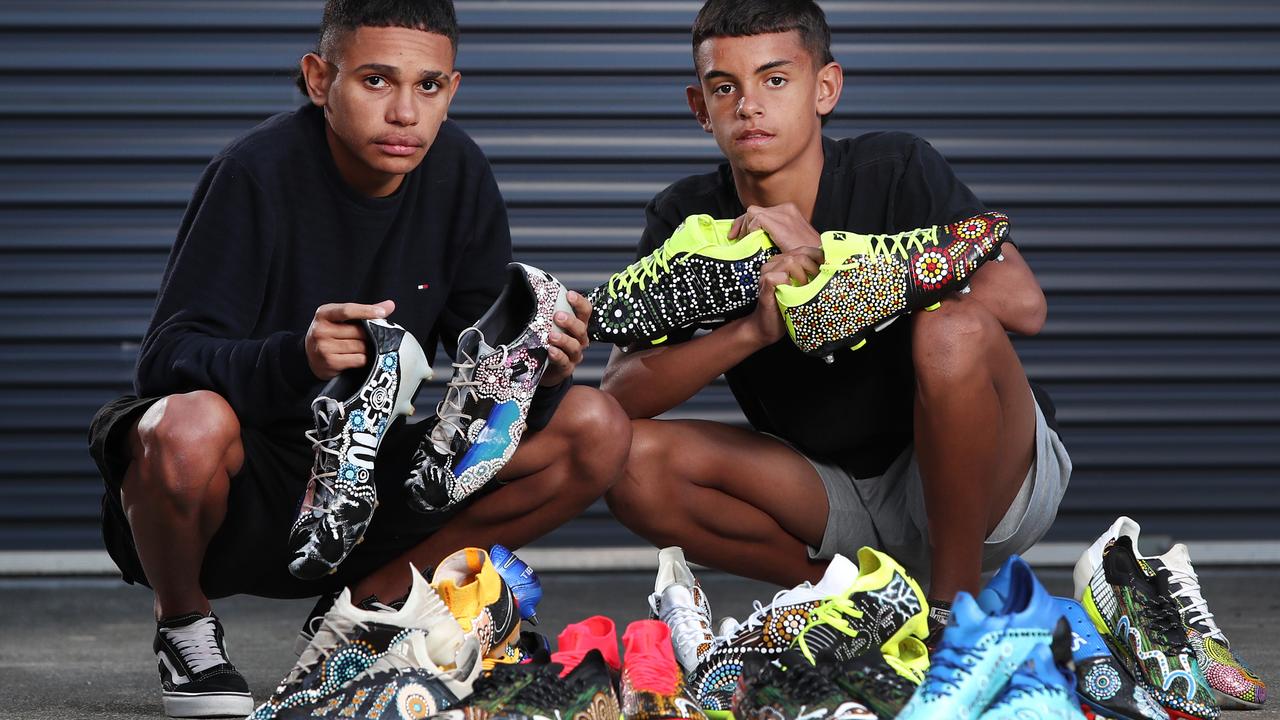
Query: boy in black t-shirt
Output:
(363,202)
(928,442)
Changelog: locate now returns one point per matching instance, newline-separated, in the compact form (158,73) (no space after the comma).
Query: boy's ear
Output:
(830,84)
(698,105)
(317,75)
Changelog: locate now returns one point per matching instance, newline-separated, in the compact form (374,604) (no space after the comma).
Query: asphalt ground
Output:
(81,648)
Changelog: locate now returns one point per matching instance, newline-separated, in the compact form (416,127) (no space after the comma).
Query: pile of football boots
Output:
(701,278)
(849,646)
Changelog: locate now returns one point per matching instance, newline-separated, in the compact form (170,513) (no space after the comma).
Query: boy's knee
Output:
(598,433)
(188,423)
(954,341)
(639,492)
(182,440)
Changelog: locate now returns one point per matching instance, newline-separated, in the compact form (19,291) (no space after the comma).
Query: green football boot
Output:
(697,278)
(789,688)
(866,282)
(883,681)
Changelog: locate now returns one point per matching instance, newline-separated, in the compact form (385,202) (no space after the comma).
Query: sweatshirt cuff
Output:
(544,404)
(293,363)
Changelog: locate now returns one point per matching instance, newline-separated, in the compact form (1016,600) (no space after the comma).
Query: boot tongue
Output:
(326,411)
(471,347)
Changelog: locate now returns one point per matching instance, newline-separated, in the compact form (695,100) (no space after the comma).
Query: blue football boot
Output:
(1105,687)
(1039,690)
(523,581)
(985,643)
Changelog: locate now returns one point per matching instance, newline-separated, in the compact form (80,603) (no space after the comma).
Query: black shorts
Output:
(249,553)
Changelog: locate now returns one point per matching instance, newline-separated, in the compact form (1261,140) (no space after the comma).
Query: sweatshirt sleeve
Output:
(210,297)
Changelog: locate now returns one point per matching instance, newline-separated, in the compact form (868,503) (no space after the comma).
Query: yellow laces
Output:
(903,242)
(637,272)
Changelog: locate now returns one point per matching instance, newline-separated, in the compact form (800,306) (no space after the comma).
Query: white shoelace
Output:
(334,631)
(197,643)
(324,445)
(453,420)
(1195,609)
(756,618)
(689,628)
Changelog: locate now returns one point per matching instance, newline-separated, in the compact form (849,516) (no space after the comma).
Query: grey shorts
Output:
(887,512)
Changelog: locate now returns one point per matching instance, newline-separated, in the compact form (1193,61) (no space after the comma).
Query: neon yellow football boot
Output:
(868,281)
(697,278)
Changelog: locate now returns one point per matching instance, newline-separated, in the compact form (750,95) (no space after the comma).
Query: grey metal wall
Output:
(1134,142)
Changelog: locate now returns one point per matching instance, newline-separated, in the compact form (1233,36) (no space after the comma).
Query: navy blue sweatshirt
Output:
(273,232)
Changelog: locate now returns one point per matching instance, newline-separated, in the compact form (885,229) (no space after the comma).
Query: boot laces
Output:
(1194,607)
(325,446)
(761,611)
(197,644)
(1163,620)
(653,672)
(803,681)
(688,625)
(453,420)
(836,612)
(902,243)
(641,271)
(949,666)
(335,631)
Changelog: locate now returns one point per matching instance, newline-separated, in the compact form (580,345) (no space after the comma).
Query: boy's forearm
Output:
(650,382)
(1011,292)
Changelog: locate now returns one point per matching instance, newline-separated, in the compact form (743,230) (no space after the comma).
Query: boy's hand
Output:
(565,345)
(335,342)
(796,266)
(787,228)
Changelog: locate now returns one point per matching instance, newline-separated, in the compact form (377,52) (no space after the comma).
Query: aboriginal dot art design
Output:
(352,414)
(1130,602)
(484,413)
(321,673)
(697,278)
(869,280)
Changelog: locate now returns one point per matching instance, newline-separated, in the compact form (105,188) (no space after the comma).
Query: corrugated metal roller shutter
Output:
(1134,142)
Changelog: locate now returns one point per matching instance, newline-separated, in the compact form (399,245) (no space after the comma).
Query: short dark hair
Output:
(740,18)
(344,16)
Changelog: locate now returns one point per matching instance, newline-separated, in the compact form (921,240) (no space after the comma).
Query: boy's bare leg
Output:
(974,433)
(185,448)
(554,475)
(733,499)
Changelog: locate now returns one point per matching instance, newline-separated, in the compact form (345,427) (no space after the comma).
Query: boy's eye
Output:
(776,81)
(375,81)
(430,86)
(723,89)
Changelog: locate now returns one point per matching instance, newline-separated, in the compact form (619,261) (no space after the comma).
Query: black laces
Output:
(802,681)
(1164,621)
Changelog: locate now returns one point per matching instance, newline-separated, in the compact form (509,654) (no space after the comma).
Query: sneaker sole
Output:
(199,705)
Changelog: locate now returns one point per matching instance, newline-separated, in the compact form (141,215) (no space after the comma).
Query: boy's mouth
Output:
(753,137)
(399,145)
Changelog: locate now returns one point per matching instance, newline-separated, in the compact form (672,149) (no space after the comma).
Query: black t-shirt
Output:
(273,232)
(856,411)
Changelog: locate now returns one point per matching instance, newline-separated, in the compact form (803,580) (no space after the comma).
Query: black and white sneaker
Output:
(352,415)
(196,677)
